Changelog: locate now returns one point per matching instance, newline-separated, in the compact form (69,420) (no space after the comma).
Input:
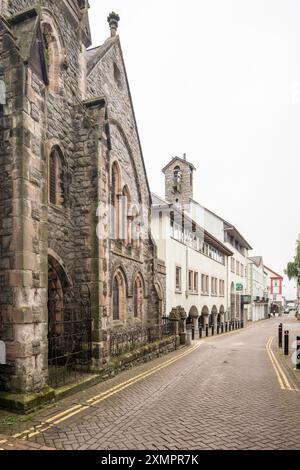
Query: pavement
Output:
(223,392)
(9,443)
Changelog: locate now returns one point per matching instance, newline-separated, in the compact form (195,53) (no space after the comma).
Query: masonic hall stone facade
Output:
(74,196)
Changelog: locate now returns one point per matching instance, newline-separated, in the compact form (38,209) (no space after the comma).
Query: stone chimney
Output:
(113,21)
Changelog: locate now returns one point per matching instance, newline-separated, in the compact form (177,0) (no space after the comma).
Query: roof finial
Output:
(113,21)
(184,157)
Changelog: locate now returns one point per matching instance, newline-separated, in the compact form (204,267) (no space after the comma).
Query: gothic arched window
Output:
(56,178)
(118,297)
(115,200)
(177,172)
(126,215)
(53,57)
(136,231)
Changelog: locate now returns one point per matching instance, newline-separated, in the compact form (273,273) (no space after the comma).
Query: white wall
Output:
(257,287)
(175,254)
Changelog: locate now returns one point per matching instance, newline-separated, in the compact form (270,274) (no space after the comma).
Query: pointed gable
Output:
(107,77)
(26,29)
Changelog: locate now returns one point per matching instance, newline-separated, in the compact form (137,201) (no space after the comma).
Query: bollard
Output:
(200,332)
(222,328)
(298,353)
(280,335)
(206,330)
(226,327)
(286,342)
(212,330)
(242,324)
(218,329)
(193,332)
(232,326)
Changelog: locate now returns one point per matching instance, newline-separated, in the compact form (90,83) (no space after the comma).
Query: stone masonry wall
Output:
(186,193)
(90,132)
(12,73)
(108,78)
(32,124)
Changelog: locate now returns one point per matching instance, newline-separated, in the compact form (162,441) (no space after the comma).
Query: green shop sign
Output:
(239,287)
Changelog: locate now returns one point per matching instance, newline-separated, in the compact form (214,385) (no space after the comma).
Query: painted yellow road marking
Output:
(58,418)
(74,410)
(274,364)
(281,376)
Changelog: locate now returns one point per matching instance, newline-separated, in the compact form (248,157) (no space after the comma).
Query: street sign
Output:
(239,287)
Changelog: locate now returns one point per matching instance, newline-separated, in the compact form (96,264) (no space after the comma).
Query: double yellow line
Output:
(282,378)
(74,410)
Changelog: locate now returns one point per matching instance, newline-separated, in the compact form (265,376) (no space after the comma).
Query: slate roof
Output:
(95,54)
(179,160)
(257,260)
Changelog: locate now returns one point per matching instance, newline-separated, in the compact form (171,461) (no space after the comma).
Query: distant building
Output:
(196,265)
(275,282)
(205,256)
(258,309)
(237,267)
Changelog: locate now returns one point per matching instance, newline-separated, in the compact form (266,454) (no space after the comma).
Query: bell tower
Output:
(179,181)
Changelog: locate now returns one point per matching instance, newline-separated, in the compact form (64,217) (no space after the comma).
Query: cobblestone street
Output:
(222,393)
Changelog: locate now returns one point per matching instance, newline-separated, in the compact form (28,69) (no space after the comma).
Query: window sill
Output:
(117,323)
(137,320)
(61,209)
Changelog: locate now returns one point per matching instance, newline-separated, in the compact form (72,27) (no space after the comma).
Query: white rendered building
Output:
(258,309)
(205,256)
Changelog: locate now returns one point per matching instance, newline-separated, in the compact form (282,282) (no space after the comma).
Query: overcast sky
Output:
(219,80)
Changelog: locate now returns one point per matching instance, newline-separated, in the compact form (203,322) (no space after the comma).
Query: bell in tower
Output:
(179,181)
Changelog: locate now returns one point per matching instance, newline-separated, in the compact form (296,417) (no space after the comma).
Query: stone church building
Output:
(77,260)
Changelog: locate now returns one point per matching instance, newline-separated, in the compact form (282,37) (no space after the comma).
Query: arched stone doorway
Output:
(213,317)
(203,319)
(192,321)
(69,326)
(221,315)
